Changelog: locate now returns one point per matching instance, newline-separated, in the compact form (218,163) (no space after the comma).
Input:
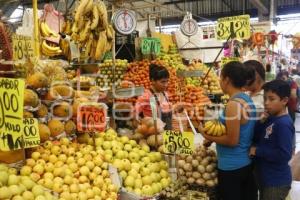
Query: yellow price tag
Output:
(226,60)
(11,113)
(22,47)
(237,27)
(31,133)
(179,143)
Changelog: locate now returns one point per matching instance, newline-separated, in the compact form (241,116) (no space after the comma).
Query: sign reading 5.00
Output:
(11,113)
(237,27)
(31,133)
(151,46)
(177,142)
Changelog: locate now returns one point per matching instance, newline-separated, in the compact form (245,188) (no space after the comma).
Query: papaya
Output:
(76,105)
(63,109)
(42,111)
(27,114)
(37,80)
(70,127)
(56,127)
(31,98)
(64,91)
(44,132)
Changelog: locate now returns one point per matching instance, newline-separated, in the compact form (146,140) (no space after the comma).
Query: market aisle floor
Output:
(297,126)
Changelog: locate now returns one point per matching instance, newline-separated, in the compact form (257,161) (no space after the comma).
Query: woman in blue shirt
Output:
(235,174)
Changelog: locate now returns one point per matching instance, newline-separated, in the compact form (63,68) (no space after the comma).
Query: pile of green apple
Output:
(72,170)
(16,187)
(143,172)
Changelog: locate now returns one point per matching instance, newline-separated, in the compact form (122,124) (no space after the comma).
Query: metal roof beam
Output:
(260,6)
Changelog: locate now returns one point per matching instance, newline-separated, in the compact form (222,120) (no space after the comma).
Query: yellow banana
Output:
(84,33)
(110,32)
(95,17)
(88,7)
(211,130)
(207,126)
(80,9)
(103,15)
(218,130)
(44,30)
(223,128)
(101,45)
(49,48)
(46,52)
(48,30)
(108,46)
(88,46)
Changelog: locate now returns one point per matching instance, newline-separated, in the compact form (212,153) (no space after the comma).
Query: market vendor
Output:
(159,77)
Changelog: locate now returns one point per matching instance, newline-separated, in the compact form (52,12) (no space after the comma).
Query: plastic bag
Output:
(147,126)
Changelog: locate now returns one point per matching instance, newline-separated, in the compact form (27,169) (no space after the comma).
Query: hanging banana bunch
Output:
(90,29)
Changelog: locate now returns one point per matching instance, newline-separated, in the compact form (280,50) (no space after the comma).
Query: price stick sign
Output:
(11,113)
(31,135)
(22,47)
(151,46)
(178,142)
(237,27)
(91,117)
(226,60)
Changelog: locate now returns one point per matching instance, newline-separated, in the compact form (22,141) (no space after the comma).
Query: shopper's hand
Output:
(207,143)
(252,151)
(264,116)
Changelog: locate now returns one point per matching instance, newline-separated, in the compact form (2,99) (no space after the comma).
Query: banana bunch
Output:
(47,48)
(50,49)
(214,128)
(90,29)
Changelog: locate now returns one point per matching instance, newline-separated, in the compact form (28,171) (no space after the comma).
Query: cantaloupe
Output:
(37,80)
(56,127)
(42,111)
(44,132)
(63,109)
(31,98)
(64,91)
(70,127)
(27,114)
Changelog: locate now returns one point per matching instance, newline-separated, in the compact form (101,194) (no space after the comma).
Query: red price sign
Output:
(91,118)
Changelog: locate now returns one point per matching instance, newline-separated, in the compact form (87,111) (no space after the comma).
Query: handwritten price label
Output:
(177,142)
(31,133)
(91,118)
(11,113)
(151,46)
(237,27)
(22,47)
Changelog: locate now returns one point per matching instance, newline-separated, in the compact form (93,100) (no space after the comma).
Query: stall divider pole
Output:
(114,70)
(36,29)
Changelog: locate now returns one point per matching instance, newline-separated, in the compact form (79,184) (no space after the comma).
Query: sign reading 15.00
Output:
(177,142)
(151,46)
(11,113)
(237,27)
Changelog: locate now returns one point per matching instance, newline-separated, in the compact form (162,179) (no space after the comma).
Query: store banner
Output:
(92,117)
(31,135)
(11,113)
(22,47)
(178,142)
(236,27)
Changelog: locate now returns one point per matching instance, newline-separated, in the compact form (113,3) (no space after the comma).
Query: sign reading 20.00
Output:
(237,27)
(11,113)
(179,143)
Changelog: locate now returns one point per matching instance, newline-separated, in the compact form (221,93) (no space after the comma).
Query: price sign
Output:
(22,47)
(237,27)
(151,46)
(177,142)
(226,60)
(11,113)
(91,118)
(31,133)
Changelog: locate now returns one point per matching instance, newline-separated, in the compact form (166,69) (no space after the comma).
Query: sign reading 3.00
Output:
(237,27)
(179,143)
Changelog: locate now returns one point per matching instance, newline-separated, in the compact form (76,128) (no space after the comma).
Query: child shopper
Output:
(273,143)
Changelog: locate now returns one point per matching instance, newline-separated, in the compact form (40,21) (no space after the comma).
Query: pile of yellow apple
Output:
(16,187)
(143,172)
(72,170)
